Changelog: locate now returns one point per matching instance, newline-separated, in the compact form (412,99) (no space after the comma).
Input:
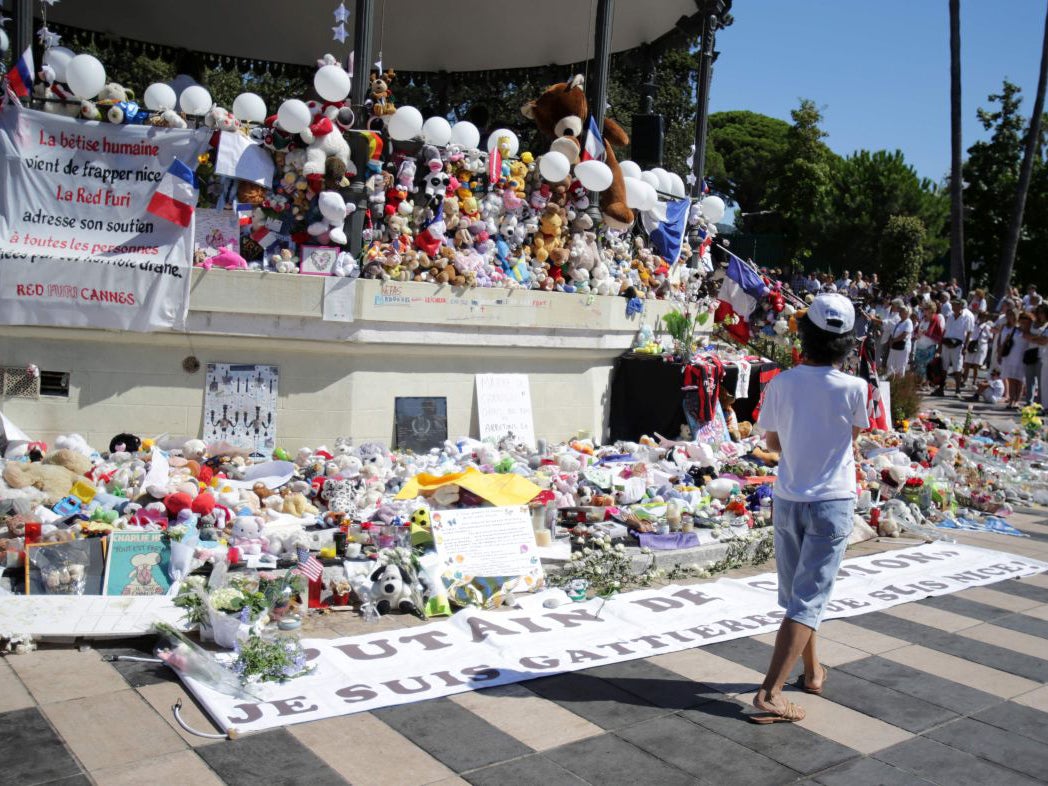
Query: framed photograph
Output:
(318,260)
(137,564)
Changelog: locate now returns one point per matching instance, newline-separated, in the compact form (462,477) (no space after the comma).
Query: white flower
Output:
(620,547)
(227,599)
(587,551)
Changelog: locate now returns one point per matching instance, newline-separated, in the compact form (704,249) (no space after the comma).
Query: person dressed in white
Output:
(960,326)
(1012,345)
(900,342)
(976,348)
(1038,337)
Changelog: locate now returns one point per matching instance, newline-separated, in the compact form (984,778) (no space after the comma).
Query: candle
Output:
(543,538)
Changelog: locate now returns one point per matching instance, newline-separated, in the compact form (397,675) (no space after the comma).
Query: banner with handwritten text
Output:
(77,245)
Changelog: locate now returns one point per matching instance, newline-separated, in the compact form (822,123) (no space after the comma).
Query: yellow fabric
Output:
(500,490)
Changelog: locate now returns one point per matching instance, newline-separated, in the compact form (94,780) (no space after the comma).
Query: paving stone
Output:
(535,770)
(946,693)
(705,754)
(41,756)
(452,735)
(610,761)
(181,767)
(987,679)
(654,684)
(1018,718)
(943,764)
(966,608)
(751,653)
(138,674)
(884,703)
(1000,658)
(58,674)
(1013,751)
(868,772)
(271,757)
(790,744)
(1024,623)
(13,695)
(1023,588)
(596,700)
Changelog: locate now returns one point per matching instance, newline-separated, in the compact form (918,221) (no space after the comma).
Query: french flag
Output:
(176,195)
(739,293)
(594,148)
(20,77)
(705,186)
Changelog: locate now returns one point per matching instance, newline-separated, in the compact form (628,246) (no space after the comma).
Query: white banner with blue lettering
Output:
(477,649)
(79,246)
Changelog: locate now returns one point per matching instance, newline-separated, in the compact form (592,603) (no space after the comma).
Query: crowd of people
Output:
(944,336)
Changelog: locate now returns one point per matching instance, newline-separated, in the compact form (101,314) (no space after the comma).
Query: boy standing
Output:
(812,414)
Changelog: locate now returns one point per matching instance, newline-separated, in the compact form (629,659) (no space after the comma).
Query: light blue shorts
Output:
(810,538)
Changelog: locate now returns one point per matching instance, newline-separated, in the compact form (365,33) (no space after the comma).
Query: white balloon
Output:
(86,76)
(594,175)
(58,58)
(650,178)
(640,195)
(195,100)
(405,123)
(159,96)
(713,208)
(512,141)
(331,83)
(249,108)
(464,133)
(677,186)
(664,179)
(629,169)
(554,166)
(180,83)
(293,116)
(437,131)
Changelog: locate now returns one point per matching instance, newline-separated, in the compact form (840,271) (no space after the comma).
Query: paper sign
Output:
(487,542)
(215,229)
(137,564)
(240,157)
(339,298)
(504,407)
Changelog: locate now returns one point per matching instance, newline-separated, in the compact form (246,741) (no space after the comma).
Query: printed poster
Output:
(240,406)
(137,563)
(215,229)
(78,247)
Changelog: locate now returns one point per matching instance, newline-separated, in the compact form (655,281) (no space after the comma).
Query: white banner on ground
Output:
(476,649)
(77,245)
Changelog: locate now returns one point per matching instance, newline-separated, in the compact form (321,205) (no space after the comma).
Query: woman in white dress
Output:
(978,344)
(1011,345)
(900,343)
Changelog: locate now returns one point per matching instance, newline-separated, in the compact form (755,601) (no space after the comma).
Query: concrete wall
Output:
(337,377)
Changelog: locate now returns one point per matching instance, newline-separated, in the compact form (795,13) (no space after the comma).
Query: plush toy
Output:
(285,261)
(381,99)
(127,112)
(334,210)
(297,505)
(226,258)
(324,140)
(247,534)
(71,460)
(561,114)
(340,495)
(53,480)
(167,118)
(124,443)
(391,588)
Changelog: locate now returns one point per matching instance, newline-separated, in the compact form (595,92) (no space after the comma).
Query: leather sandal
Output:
(790,714)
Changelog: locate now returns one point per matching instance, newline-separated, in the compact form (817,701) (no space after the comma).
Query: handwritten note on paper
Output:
(504,407)
(488,542)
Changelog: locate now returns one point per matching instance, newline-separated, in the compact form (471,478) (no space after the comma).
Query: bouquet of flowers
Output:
(277,659)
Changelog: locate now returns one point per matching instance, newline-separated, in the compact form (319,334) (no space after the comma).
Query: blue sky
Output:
(878,69)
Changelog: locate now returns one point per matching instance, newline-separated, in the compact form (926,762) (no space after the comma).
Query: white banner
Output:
(477,649)
(77,246)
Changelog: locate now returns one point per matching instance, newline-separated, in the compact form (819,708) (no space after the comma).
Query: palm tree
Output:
(957,269)
(1033,135)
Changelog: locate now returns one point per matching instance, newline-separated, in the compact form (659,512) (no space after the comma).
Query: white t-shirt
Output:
(813,410)
(960,327)
(903,330)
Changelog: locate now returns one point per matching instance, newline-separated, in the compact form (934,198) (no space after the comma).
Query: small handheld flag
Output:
(308,565)
(176,195)
(593,150)
(20,77)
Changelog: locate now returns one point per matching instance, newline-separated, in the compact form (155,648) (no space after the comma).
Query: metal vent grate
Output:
(20,383)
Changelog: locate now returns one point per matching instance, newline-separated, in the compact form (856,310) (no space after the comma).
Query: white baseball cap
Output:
(832,313)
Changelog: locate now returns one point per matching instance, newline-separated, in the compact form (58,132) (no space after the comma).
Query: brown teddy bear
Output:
(561,113)
(71,460)
(52,479)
